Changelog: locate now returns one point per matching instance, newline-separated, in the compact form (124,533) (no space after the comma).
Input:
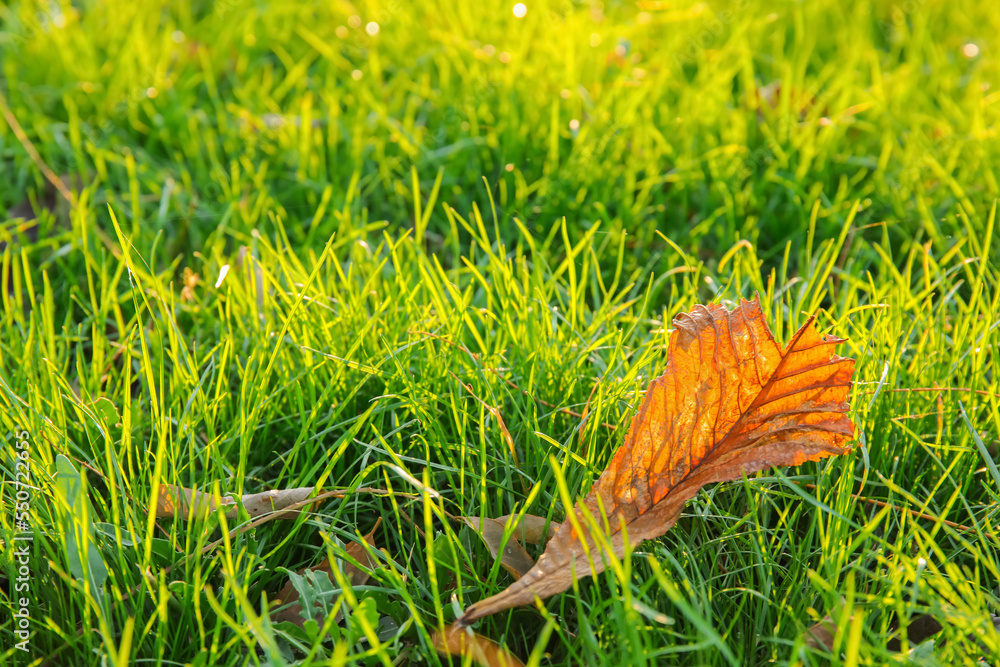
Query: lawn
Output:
(430,254)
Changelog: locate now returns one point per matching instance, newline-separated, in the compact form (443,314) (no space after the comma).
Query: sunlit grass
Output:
(415,233)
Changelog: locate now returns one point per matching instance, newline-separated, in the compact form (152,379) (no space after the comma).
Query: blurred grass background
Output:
(413,199)
(713,123)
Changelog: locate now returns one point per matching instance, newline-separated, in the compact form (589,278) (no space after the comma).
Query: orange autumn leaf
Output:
(730,402)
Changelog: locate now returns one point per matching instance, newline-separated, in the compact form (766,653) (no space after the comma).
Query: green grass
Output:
(428,237)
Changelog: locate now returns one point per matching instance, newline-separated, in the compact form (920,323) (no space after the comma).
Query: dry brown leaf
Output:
(291,609)
(30,209)
(917,630)
(514,558)
(531,529)
(178,500)
(463,642)
(730,402)
(822,634)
